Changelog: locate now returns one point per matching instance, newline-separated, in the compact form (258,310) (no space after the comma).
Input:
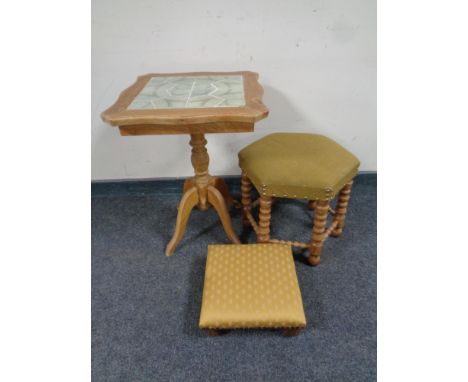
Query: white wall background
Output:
(316,59)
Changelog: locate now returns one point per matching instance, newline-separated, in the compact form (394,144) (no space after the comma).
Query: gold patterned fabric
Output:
(251,286)
(298,165)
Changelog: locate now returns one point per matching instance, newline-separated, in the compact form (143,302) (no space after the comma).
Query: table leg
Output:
(188,201)
(215,198)
(216,182)
(202,190)
(222,187)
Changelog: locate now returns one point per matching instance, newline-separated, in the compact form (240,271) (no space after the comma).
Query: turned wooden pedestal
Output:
(202,190)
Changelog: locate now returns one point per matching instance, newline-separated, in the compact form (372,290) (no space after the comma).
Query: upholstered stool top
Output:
(251,286)
(296,165)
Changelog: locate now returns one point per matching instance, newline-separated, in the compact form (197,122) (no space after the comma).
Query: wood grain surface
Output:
(187,120)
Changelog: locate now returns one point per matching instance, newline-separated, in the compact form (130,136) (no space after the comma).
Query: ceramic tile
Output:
(191,92)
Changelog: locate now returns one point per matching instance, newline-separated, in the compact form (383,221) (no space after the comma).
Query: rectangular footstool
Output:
(251,286)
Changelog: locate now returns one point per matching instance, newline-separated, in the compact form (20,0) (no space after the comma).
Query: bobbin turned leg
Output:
(318,231)
(341,209)
(264,218)
(246,187)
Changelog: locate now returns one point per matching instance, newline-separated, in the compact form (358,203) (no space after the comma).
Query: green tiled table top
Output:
(190,92)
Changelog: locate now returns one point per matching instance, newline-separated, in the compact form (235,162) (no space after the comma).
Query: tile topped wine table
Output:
(195,104)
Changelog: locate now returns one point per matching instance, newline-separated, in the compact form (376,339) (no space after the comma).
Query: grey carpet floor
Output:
(145,306)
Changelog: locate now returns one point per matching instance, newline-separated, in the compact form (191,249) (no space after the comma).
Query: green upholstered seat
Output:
(297,165)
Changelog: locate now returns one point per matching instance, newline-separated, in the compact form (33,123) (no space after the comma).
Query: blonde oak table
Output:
(195,104)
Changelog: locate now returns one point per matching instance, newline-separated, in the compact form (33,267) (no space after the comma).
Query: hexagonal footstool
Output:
(251,286)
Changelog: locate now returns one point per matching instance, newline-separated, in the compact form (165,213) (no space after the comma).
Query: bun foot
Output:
(291,332)
(336,232)
(314,260)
